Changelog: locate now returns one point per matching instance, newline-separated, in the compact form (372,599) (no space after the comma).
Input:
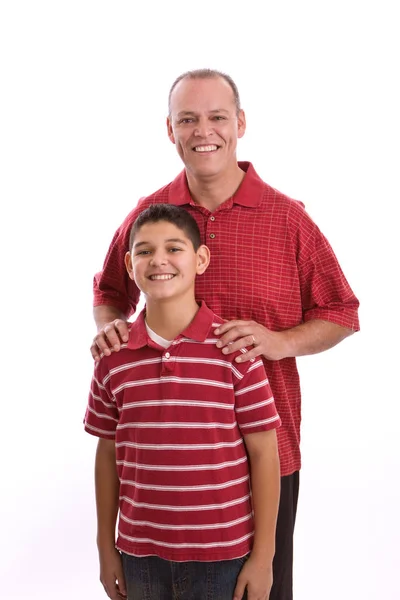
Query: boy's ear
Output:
(128,264)
(203,259)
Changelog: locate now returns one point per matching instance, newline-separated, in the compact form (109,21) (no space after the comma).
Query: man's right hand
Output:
(109,338)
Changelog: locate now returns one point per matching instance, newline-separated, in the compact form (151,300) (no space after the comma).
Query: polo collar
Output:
(198,330)
(249,193)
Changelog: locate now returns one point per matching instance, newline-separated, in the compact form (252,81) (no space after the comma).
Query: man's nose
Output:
(203,128)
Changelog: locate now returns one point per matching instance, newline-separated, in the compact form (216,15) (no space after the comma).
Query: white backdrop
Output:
(83,105)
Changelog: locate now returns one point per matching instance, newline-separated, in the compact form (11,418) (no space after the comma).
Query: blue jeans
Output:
(152,578)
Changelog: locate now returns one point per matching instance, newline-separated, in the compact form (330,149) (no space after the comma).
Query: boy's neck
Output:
(168,319)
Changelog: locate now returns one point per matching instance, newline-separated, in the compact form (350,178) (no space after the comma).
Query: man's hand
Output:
(109,337)
(236,335)
(257,576)
(112,574)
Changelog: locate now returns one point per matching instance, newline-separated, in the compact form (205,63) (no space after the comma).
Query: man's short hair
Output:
(206,74)
(171,214)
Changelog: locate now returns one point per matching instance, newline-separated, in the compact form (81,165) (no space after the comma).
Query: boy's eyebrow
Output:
(179,240)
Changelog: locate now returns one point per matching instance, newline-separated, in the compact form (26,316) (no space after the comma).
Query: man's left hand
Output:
(236,335)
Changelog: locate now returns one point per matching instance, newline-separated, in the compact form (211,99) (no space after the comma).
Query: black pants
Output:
(282,588)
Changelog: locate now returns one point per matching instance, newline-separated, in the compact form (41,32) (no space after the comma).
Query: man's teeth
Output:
(166,276)
(205,148)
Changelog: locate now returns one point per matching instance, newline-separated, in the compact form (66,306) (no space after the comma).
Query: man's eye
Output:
(187,120)
(219,118)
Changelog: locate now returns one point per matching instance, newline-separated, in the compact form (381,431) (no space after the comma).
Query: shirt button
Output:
(212,218)
(167,355)
(212,235)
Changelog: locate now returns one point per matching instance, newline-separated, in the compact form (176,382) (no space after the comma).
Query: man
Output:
(273,276)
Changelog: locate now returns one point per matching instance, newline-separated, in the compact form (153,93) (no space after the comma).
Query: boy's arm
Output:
(107,497)
(256,573)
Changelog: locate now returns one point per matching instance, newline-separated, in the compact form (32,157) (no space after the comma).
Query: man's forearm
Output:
(313,336)
(105,313)
(107,493)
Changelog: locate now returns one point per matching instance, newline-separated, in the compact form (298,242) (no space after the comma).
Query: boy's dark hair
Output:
(171,214)
(206,74)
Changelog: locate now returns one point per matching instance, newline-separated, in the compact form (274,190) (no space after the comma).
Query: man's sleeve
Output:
(102,415)
(254,403)
(112,286)
(325,291)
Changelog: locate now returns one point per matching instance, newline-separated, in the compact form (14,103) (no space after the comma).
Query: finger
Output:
(122,328)
(249,355)
(121,586)
(244,342)
(239,590)
(224,327)
(112,336)
(235,334)
(100,345)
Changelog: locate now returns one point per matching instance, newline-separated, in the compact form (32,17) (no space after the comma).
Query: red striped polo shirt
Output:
(269,263)
(178,417)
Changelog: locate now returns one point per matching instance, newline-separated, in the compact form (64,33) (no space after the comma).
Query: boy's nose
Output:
(158,258)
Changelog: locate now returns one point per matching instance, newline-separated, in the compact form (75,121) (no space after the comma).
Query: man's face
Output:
(163,262)
(204,126)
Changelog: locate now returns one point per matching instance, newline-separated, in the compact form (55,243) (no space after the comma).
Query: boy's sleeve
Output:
(254,403)
(102,415)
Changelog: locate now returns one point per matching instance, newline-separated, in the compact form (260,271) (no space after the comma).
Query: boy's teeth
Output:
(166,276)
(205,148)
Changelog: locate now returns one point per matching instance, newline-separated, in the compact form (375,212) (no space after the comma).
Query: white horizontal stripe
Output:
(172,508)
(102,416)
(148,425)
(173,402)
(264,422)
(97,382)
(122,347)
(169,468)
(131,365)
(250,388)
(189,341)
(97,430)
(185,488)
(255,365)
(100,399)
(186,527)
(182,380)
(180,446)
(257,405)
(209,361)
(167,545)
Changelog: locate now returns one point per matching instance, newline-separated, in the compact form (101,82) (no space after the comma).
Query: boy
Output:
(181,430)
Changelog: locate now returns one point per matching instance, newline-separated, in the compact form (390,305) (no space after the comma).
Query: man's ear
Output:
(241,123)
(128,264)
(169,129)
(203,259)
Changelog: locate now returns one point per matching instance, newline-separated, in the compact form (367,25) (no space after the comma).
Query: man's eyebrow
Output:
(169,240)
(186,113)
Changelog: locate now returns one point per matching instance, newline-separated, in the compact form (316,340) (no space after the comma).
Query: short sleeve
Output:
(102,415)
(254,403)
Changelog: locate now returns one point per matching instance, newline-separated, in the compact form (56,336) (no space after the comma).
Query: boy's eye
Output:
(174,249)
(142,252)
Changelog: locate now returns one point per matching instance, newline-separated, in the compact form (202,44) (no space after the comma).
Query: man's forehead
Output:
(200,91)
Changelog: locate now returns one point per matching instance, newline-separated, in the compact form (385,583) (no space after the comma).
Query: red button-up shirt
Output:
(269,263)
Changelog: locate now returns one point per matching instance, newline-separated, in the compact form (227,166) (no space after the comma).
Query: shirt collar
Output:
(249,193)
(197,330)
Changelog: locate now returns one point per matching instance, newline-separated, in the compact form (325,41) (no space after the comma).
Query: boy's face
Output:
(163,262)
